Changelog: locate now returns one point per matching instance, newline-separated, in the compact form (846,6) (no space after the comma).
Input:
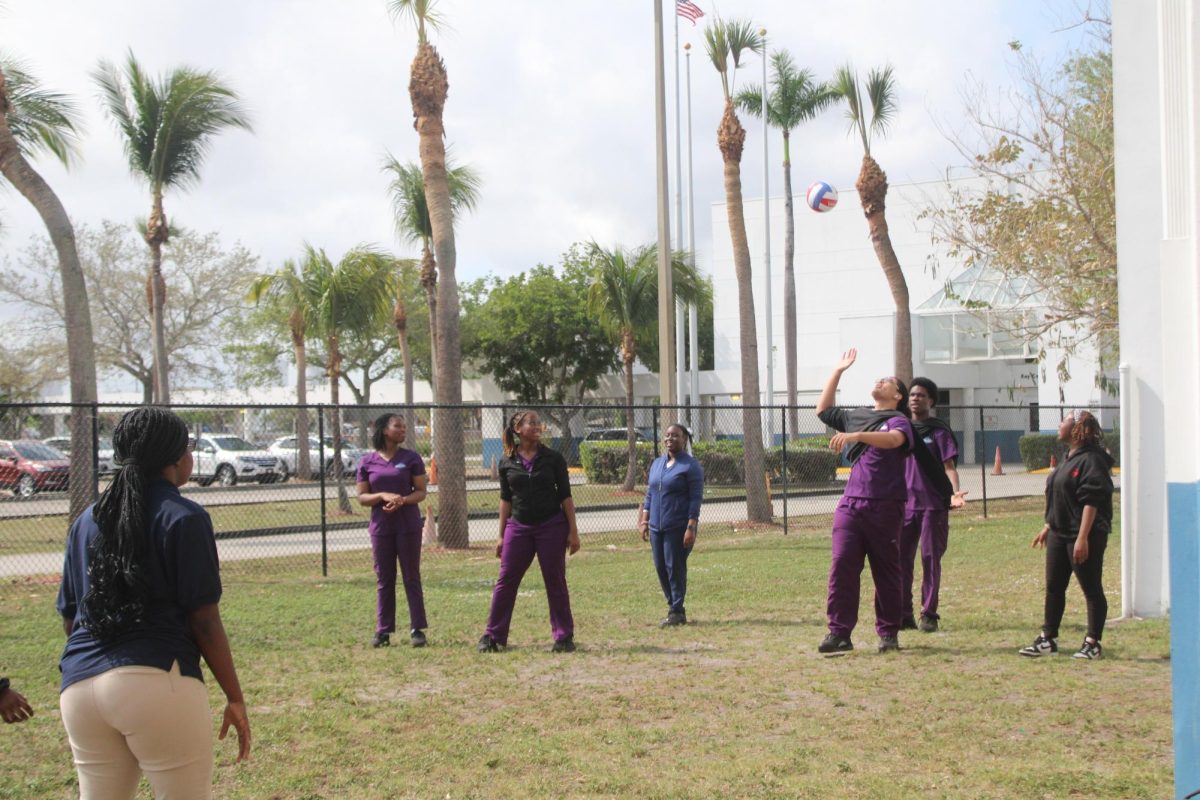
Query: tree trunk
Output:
(400,319)
(333,373)
(148,389)
(428,88)
(872,192)
(791,355)
(730,137)
(303,455)
(627,355)
(157,234)
(429,282)
(81,353)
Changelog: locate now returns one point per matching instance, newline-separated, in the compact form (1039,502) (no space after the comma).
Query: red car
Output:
(28,467)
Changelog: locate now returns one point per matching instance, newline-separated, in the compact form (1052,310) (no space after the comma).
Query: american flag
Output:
(688,10)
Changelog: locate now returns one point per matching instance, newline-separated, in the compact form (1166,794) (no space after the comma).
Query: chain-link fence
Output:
(272,498)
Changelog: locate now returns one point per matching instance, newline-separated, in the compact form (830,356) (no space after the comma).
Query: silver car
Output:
(286,449)
(104,454)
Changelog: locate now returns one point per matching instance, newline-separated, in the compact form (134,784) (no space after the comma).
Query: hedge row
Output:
(1037,447)
(807,462)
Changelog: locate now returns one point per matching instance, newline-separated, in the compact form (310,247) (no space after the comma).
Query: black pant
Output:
(1060,548)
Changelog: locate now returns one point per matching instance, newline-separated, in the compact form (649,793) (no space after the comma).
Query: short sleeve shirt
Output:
(393,475)
(878,474)
(182,574)
(922,495)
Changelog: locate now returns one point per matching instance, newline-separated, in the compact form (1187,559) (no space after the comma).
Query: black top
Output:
(182,573)
(536,495)
(1083,479)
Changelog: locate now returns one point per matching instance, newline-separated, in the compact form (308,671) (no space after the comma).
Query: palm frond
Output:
(407,189)
(421,12)
(845,83)
(716,44)
(749,100)
(881,89)
(40,120)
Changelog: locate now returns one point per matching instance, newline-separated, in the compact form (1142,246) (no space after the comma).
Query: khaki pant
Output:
(133,720)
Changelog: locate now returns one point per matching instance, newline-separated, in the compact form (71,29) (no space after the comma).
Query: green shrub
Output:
(722,461)
(606,462)
(805,464)
(1037,447)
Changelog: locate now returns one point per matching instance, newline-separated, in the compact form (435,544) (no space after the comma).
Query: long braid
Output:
(144,442)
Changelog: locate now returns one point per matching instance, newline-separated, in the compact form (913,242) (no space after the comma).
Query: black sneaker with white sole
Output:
(928,624)
(1090,651)
(417,637)
(888,644)
(833,643)
(1042,646)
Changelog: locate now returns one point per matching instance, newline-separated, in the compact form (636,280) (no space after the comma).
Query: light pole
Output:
(693,312)
(666,352)
(770,398)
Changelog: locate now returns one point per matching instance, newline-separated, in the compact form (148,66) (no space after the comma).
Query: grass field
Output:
(737,704)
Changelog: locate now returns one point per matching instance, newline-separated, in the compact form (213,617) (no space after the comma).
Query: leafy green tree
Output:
(726,41)
(794,97)
(879,93)
(623,298)
(33,121)
(167,125)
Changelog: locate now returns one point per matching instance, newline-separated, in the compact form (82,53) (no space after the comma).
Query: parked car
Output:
(104,453)
(229,460)
(614,435)
(28,467)
(286,449)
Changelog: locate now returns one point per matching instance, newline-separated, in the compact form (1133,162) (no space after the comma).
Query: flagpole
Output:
(666,352)
(693,312)
(680,386)
(770,400)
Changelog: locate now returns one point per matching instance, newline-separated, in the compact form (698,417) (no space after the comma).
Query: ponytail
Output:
(512,439)
(145,441)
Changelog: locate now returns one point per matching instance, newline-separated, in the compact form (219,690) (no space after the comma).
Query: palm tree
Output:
(354,295)
(427,88)
(411,212)
(623,297)
(296,299)
(167,125)
(33,121)
(880,91)
(795,97)
(400,323)
(725,42)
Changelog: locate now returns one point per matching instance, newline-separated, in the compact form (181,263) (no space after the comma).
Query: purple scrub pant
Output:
(548,541)
(866,529)
(928,528)
(388,546)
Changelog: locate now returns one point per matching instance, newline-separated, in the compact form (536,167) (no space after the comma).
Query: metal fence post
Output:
(95,451)
(783,413)
(321,472)
(983,458)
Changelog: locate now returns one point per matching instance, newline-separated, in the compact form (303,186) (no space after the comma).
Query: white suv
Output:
(229,460)
(104,454)
(286,450)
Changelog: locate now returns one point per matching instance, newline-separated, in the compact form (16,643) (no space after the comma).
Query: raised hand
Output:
(848,359)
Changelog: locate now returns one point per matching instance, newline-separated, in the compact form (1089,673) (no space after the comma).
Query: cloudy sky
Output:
(550,100)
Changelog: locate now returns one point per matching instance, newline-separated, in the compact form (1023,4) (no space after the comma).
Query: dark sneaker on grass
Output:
(564,645)
(908,623)
(928,624)
(381,640)
(833,643)
(888,643)
(1042,646)
(488,645)
(673,618)
(417,637)
(1089,652)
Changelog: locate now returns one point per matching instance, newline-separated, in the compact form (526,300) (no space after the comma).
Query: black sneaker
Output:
(381,640)
(564,645)
(1042,646)
(488,645)
(835,644)
(673,618)
(1090,651)
(928,624)
(417,637)
(908,623)
(888,643)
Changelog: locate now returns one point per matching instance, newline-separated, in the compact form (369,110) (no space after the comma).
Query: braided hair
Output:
(1086,429)
(512,440)
(145,441)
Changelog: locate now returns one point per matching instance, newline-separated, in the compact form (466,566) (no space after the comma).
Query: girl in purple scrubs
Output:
(537,517)
(391,480)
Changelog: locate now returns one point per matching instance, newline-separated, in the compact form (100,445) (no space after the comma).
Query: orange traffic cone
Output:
(429,532)
(433,471)
(1053,462)
(997,470)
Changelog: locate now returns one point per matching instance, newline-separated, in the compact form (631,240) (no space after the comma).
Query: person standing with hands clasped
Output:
(392,481)
(537,517)
(868,518)
(139,601)
(670,515)
(1078,520)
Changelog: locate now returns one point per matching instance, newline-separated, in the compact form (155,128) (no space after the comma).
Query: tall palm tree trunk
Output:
(334,374)
(872,191)
(303,455)
(400,320)
(81,353)
(731,136)
(428,88)
(628,356)
(429,282)
(156,235)
(789,286)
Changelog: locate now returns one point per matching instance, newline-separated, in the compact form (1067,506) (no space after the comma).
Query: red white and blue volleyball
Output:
(821,197)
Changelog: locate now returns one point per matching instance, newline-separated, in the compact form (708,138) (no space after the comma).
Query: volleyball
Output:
(821,197)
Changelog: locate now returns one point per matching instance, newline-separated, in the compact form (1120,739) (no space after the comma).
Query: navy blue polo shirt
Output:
(182,573)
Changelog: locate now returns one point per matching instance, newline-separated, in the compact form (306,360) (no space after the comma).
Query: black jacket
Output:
(1084,478)
(535,496)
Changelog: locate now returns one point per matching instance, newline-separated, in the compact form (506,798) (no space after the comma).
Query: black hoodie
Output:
(1084,478)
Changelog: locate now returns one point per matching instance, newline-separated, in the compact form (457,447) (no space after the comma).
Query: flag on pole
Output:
(688,10)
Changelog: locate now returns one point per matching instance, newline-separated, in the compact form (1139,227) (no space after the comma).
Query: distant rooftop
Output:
(980,286)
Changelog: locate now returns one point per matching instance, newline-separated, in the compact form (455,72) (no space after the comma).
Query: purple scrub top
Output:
(921,494)
(395,476)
